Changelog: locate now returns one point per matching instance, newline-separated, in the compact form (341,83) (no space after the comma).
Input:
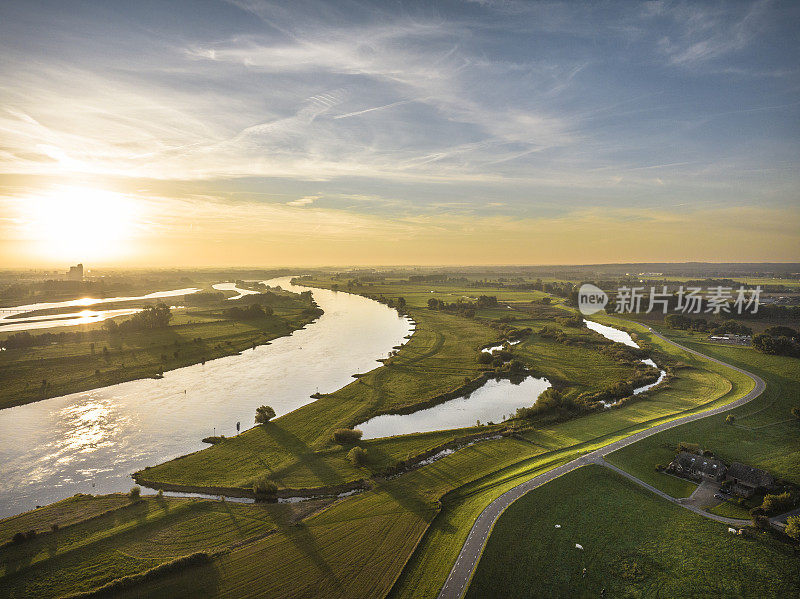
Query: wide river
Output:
(91,442)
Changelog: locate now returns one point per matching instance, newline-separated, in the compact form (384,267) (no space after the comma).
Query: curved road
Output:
(459,577)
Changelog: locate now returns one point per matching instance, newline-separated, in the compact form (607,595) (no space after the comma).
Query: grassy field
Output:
(635,545)
(445,497)
(414,524)
(99,539)
(764,434)
(194,335)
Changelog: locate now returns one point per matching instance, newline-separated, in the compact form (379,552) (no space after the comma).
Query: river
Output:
(11,321)
(90,442)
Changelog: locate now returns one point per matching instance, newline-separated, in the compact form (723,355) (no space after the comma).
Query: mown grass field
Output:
(35,373)
(103,538)
(635,545)
(764,434)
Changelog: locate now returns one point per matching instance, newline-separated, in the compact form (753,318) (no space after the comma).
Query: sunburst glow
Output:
(80,224)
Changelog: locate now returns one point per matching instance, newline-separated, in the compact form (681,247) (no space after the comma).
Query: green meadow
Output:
(635,544)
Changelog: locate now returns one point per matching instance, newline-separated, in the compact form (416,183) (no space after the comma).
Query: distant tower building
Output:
(75,273)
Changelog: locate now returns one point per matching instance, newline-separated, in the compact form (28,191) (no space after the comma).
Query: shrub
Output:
(730,419)
(688,447)
(793,527)
(264,487)
(796,412)
(18,537)
(54,527)
(135,492)
(761,521)
(264,414)
(347,436)
(778,504)
(570,321)
(357,456)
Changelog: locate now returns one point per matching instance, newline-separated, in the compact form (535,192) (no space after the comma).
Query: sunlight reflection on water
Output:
(91,442)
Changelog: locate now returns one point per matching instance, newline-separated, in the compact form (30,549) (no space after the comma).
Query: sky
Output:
(260,133)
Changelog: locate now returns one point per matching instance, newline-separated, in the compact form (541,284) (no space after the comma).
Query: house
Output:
(697,467)
(746,480)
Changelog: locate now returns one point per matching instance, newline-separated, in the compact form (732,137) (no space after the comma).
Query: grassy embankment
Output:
(404,507)
(194,335)
(635,544)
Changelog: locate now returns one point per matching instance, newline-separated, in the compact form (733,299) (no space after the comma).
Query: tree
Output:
(793,527)
(774,504)
(264,487)
(781,331)
(433,303)
(135,493)
(357,456)
(347,436)
(264,414)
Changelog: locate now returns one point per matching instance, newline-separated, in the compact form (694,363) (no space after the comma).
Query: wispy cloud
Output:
(483,108)
(304,201)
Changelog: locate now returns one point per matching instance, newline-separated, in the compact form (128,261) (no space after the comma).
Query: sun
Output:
(80,224)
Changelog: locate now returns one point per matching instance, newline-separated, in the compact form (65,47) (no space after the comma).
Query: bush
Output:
(54,527)
(730,419)
(18,537)
(347,436)
(761,521)
(264,487)
(135,492)
(357,456)
(570,321)
(793,527)
(688,447)
(778,504)
(264,414)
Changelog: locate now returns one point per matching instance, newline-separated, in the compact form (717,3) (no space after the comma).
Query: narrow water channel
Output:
(623,337)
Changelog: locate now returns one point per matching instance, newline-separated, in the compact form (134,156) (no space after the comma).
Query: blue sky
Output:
(411,114)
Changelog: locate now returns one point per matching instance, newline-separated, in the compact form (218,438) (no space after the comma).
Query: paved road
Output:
(459,577)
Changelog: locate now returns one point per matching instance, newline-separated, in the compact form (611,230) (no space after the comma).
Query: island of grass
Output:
(50,362)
